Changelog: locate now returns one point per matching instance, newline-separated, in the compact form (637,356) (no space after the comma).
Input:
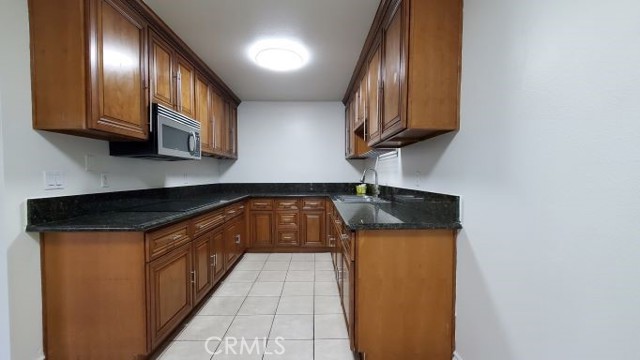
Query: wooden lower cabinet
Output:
(261,228)
(219,266)
(234,238)
(120,295)
(398,293)
(288,224)
(170,286)
(202,265)
(313,228)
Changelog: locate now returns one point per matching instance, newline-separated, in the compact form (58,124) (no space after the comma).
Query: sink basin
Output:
(362,199)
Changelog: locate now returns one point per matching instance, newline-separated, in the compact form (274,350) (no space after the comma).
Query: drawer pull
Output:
(176,237)
(202,226)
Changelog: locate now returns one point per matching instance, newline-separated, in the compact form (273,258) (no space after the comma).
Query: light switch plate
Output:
(53,179)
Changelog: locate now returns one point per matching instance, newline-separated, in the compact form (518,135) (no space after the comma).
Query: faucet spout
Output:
(376,189)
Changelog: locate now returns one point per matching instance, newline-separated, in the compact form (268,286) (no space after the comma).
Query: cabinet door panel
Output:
(218,253)
(186,93)
(373,103)
(233,131)
(219,125)
(121,72)
(161,71)
(313,228)
(170,286)
(202,262)
(392,71)
(261,226)
(203,114)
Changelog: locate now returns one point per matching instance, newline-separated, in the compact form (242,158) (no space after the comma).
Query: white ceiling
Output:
(220,31)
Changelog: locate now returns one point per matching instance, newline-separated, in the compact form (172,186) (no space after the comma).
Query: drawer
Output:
(287,219)
(207,222)
(164,240)
(261,204)
(287,237)
(234,210)
(287,204)
(312,203)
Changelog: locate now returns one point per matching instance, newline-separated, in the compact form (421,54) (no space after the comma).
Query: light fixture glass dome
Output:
(279,54)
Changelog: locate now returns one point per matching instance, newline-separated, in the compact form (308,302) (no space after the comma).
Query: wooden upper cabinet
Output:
(372,127)
(420,71)
(185,85)
(219,123)
(392,74)
(203,113)
(161,71)
(232,123)
(89,68)
(362,103)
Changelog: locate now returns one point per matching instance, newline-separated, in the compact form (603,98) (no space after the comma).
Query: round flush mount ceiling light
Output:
(279,54)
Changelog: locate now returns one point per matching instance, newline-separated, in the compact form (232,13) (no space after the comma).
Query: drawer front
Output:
(234,210)
(164,240)
(261,204)
(207,222)
(287,219)
(312,203)
(289,238)
(287,204)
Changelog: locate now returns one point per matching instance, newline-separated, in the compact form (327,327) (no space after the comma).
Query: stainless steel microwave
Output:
(172,136)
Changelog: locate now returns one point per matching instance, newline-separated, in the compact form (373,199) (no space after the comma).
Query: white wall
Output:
(26,154)
(548,165)
(291,142)
(4,287)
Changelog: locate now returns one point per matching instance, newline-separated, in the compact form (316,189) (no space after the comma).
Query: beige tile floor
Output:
(288,301)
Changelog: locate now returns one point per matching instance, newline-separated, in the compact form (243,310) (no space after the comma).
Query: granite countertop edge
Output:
(167,218)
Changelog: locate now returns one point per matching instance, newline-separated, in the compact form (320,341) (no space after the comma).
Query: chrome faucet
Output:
(376,190)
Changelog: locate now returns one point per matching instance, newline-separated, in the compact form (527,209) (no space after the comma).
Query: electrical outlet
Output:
(89,162)
(53,179)
(104,180)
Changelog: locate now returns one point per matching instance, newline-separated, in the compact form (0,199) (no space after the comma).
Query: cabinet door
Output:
(261,227)
(203,114)
(161,71)
(170,292)
(348,138)
(348,297)
(373,103)
(219,123)
(185,86)
(233,240)
(218,254)
(392,73)
(362,101)
(233,131)
(119,97)
(202,263)
(313,228)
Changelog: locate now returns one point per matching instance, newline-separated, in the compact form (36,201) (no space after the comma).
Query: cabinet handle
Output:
(213,261)
(237,239)
(202,226)
(344,237)
(176,237)
(193,277)
(179,82)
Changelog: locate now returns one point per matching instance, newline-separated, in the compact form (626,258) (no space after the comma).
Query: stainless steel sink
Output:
(362,199)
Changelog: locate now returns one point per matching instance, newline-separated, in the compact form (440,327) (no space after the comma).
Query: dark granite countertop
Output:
(146,210)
